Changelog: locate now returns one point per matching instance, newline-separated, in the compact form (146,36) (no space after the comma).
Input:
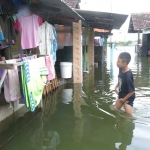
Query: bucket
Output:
(66,69)
(66,96)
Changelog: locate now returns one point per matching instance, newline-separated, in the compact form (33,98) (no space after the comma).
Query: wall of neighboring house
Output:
(145,44)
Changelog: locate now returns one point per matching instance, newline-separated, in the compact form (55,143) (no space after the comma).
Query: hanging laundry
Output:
(11,84)
(1,28)
(54,47)
(28,26)
(1,73)
(46,36)
(101,41)
(9,32)
(6,23)
(50,67)
(96,43)
(43,69)
(32,83)
(1,34)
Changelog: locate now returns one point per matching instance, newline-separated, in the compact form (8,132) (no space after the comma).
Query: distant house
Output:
(140,22)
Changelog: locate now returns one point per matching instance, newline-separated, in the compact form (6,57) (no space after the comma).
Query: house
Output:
(140,23)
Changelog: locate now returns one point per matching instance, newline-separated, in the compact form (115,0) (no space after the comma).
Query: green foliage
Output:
(120,43)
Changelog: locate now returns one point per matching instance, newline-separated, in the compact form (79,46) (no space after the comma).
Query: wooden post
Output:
(138,37)
(86,53)
(91,48)
(91,80)
(77,53)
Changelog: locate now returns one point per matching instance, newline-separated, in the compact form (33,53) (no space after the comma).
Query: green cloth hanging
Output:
(32,83)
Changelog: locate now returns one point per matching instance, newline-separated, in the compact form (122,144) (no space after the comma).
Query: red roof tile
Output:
(140,20)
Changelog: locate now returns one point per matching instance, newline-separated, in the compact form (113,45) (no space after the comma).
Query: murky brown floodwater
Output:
(79,118)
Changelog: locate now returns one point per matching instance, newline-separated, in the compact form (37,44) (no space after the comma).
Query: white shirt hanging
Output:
(46,36)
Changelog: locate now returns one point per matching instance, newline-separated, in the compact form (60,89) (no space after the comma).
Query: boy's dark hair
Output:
(125,56)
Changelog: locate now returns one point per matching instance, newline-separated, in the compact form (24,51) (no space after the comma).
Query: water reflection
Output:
(42,135)
(50,138)
(49,106)
(50,141)
(78,102)
(78,130)
(67,96)
(125,128)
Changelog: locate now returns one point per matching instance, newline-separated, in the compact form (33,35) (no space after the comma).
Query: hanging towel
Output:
(11,84)
(50,67)
(32,83)
(43,69)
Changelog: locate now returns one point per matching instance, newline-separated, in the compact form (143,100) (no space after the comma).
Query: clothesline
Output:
(4,66)
(11,66)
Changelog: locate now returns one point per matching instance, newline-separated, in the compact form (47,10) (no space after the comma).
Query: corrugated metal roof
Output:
(103,20)
(139,21)
(55,10)
(65,10)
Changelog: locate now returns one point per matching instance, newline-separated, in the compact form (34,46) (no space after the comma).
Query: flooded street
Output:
(79,117)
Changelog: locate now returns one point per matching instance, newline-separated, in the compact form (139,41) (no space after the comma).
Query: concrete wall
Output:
(5,110)
(144,45)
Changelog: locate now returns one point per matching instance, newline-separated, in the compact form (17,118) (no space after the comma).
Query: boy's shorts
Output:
(129,102)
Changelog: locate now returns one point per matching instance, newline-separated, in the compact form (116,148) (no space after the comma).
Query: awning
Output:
(56,9)
(103,20)
(102,34)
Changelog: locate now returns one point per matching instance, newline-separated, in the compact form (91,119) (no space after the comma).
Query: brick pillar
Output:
(91,48)
(77,53)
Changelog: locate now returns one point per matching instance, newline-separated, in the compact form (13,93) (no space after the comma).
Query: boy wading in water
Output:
(125,86)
